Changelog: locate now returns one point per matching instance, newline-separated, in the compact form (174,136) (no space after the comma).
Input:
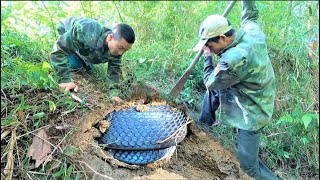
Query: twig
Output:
(29,176)
(39,173)
(102,175)
(174,132)
(51,20)
(32,131)
(5,134)
(118,11)
(81,101)
(77,98)
(274,134)
(6,96)
(7,100)
(65,126)
(55,148)
(67,112)
(18,155)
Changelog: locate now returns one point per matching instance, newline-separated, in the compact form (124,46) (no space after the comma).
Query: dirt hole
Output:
(198,156)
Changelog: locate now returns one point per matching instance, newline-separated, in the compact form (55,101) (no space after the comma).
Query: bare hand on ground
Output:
(69,86)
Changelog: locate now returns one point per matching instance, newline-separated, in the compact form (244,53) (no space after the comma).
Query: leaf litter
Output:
(40,149)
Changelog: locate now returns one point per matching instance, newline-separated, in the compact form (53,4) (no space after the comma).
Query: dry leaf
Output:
(40,149)
(8,170)
(20,114)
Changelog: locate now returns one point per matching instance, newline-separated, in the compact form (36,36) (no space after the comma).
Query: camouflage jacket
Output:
(85,38)
(243,76)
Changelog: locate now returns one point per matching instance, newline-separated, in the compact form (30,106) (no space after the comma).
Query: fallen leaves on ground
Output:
(40,148)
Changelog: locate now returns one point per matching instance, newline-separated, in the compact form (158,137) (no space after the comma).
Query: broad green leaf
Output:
(316,117)
(52,105)
(3,82)
(59,173)
(286,154)
(69,171)
(46,66)
(304,140)
(36,124)
(285,119)
(306,119)
(142,60)
(8,122)
(77,176)
(26,107)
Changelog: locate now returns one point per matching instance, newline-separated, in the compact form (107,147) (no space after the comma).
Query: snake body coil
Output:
(141,137)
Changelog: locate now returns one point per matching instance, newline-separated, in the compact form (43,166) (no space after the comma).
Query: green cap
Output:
(212,26)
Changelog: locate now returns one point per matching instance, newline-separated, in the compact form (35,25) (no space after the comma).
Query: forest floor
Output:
(73,137)
(198,156)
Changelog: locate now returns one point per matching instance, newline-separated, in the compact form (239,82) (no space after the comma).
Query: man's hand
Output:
(69,86)
(206,51)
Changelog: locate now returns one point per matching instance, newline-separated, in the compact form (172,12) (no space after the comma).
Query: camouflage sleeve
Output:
(78,36)
(221,77)
(114,69)
(250,12)
(58,57)
(208,67)
(229,70)
(66,44)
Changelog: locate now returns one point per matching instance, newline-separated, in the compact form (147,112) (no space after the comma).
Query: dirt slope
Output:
(198,156)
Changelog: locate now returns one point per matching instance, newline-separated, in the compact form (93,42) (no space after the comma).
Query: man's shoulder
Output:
(78,20)
(234,55)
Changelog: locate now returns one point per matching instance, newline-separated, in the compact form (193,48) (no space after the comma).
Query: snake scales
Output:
(142,137)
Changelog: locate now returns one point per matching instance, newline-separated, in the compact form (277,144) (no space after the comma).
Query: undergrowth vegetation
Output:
(166,33)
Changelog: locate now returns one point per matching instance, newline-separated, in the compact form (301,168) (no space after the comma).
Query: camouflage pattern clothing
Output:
(243,77)
(84,38)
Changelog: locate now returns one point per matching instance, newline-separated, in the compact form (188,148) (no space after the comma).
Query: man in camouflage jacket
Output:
(241,86)
(83,42)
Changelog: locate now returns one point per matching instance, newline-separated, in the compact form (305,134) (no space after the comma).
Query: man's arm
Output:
(77,36)
(114,69)
(219,77)
(250,12)
(226,73)
(66,44)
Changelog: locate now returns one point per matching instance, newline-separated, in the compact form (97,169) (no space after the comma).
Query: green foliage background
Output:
(166,31)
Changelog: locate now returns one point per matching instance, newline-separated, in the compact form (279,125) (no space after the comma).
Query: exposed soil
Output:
(198,156)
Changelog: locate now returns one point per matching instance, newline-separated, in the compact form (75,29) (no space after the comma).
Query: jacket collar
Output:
(236,40)
(101,40)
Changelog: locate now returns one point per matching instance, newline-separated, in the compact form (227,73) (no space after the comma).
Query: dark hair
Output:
(123,31)
(228,34)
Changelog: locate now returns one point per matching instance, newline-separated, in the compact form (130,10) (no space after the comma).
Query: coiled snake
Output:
(144,136)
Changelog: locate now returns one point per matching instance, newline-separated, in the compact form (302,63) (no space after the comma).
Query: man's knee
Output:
(75,62)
